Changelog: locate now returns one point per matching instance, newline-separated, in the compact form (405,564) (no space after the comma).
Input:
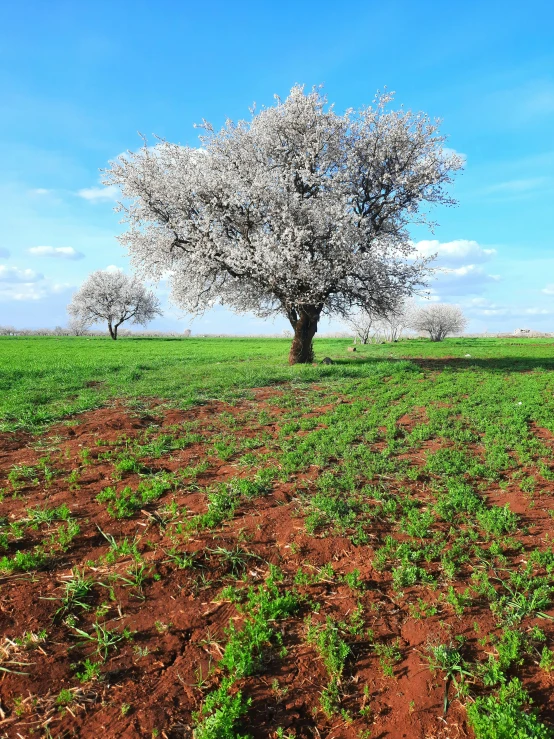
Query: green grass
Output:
(46,379)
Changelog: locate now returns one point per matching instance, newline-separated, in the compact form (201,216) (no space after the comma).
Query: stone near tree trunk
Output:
(351,349)
(327,360)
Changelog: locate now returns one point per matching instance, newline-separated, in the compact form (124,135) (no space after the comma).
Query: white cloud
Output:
(459,251)
(113,268)
(13,274)
(97,194)
(60,252)
(457,269)
(4,253)
(468,271)
(523,105)
(549,289)
(40,191)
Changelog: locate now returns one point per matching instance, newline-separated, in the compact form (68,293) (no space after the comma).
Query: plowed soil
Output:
(151,683)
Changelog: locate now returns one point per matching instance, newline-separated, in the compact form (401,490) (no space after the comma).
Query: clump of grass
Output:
(448,660)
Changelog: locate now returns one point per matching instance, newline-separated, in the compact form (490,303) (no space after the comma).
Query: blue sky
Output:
(79,80)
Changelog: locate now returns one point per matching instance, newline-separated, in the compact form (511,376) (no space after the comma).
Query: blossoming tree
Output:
(438,320)
(113,297)
(299,211)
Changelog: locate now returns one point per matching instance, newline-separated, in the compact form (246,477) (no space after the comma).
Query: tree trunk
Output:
(304,324)
(113,331)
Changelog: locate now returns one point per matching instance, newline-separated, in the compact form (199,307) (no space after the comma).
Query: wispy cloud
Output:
(523,105)
(13,274)
(99,194)
(483,307)
(464,280)
(514,187)
(457,267)
(59,252)
(549,289)
(540,99)
(31,291)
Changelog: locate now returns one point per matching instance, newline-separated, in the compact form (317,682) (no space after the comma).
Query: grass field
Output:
(45,379)
(198,540)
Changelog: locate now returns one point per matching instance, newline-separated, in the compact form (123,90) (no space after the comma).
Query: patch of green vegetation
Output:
(126,502)
(502,715)
(334,652)
(220,713)
(262,607)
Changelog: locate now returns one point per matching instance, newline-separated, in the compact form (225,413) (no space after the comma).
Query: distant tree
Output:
(78,326)
(368,325)
(438,320)
(300,211)
(396,320)
(362,323)
(113,297)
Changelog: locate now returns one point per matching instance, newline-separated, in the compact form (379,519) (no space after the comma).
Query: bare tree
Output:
(397,319)
(438,320)
(113,297)
(78,326)
(300,211)
(367,324)
(362,324)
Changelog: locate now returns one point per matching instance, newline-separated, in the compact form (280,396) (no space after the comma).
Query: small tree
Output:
(113,297)
(438,320)
(396,320)
(78,326)
(300,211)
(362,324)
(367,324)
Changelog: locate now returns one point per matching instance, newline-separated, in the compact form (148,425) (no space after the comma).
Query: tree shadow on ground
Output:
(492,364)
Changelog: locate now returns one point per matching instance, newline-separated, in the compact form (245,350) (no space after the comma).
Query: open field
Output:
(197,538)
